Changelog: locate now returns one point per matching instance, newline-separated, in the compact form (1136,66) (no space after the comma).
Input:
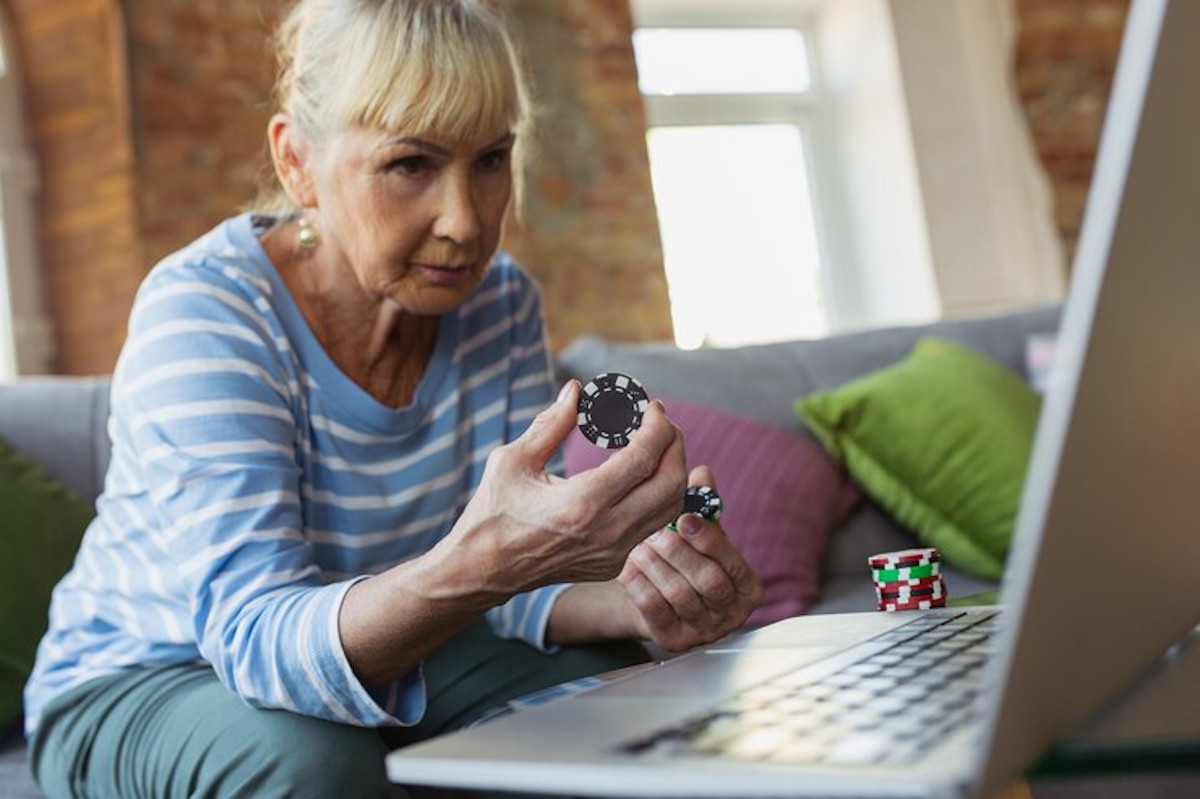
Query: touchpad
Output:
(710,674)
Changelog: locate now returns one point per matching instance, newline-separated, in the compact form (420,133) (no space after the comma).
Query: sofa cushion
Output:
(782,496)
(41,524)
(942,441)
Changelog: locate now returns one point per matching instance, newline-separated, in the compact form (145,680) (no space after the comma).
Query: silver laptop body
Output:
(1104,572)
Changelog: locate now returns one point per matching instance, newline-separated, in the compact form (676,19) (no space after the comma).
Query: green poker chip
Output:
(906,573)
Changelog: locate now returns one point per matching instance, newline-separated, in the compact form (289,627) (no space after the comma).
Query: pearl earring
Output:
(306,236)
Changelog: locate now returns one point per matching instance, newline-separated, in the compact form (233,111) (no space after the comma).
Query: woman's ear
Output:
(291,155)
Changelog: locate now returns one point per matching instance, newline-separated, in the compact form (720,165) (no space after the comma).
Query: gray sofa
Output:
(763,381)
(60,422)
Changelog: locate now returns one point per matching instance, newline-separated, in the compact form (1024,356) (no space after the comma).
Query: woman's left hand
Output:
(691,587)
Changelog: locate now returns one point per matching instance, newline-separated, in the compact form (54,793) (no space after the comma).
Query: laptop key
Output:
(712,736)
(818,691)
(757,744)
(852,697)
(910,692)
(840,679)
(888,704)
(805,750)
(866,669)
(804,722)
(859,750)
(887,659)
(901,673)
(877,684)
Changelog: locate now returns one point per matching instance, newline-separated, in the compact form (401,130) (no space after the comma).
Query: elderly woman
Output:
(334,440)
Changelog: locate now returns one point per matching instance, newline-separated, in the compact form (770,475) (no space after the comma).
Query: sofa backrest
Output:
(60,423)
(764,381)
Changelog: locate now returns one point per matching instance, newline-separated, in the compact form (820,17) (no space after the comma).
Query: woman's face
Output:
(414,218)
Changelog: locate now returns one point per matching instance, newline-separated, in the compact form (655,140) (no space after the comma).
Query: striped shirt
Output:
(252,483)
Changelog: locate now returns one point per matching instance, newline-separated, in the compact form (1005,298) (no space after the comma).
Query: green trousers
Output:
(176,731)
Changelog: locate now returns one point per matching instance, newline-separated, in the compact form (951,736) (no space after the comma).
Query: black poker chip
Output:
(611,409)
(703,500)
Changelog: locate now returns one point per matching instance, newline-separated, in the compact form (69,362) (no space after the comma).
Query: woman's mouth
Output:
(445,274)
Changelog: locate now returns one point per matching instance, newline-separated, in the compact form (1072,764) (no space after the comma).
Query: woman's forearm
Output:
(391,622)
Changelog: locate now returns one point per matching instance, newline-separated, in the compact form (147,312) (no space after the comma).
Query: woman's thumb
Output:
(551,427)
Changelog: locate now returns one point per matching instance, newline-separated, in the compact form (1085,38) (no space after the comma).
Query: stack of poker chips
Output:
(910,579)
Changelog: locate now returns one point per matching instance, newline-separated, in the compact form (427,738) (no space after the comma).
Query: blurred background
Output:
(709,172)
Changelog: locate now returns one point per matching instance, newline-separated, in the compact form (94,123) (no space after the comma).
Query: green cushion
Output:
(941,440)
(41,525)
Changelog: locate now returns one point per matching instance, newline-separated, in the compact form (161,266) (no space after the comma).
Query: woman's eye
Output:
(411,165)
(493,160)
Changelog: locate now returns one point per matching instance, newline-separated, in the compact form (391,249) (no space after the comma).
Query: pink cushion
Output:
(782,493)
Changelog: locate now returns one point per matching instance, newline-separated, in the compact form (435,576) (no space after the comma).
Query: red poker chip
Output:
(914,604)
(904,557)
(917,594)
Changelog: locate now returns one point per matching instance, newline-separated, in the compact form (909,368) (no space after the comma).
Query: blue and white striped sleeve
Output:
(202,396)
(531,389)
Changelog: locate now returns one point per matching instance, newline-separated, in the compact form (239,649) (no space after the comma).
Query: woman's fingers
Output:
(674,585)
(702,476)
(659,620)
(706,576)
(551,427)
(656,612)
(655,502)
(708,539)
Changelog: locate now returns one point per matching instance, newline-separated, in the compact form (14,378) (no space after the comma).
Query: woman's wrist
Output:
(392,621)
(456,578)
(589,612)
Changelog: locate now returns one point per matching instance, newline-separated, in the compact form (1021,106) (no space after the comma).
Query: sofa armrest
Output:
(61,424)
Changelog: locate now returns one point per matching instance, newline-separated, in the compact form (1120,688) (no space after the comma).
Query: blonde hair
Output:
(446,68)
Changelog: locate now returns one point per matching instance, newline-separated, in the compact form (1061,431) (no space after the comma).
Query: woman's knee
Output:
(295,757)
(299,757)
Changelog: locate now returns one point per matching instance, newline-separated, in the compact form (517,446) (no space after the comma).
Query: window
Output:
(730,106)
(24,330)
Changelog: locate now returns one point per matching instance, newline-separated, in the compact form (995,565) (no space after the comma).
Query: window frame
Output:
(25,334)
(804,110)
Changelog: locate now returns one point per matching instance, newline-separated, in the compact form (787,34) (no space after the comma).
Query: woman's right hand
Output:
(525,528)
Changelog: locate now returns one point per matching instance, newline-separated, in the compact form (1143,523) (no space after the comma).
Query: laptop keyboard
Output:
(887,707)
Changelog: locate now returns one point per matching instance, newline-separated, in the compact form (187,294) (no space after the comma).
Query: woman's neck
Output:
(377,344)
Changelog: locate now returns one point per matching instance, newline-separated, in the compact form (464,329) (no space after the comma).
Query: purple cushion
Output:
(782,493)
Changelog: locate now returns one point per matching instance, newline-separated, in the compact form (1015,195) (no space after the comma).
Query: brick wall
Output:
(73,61)
(201,77)
(123,182)
(591,236)
(1066,55)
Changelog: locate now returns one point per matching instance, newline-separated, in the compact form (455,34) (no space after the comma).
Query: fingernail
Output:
(564,391)
(691,524)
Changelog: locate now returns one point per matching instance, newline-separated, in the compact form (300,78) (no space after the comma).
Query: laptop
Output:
(1103,574)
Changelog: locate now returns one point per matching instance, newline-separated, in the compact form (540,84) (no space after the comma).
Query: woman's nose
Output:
(458,216)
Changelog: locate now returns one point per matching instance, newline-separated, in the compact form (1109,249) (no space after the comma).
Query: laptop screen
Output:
(1105,568)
